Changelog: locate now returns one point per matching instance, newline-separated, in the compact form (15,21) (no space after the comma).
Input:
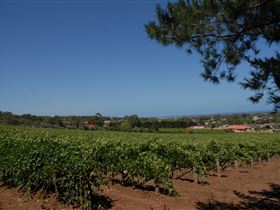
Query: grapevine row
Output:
(75,166)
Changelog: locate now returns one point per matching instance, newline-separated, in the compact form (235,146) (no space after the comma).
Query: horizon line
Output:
(148,116)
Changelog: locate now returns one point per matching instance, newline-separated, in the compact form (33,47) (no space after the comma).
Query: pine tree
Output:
(226,33)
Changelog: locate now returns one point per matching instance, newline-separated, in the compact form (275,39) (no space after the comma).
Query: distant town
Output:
(241,122)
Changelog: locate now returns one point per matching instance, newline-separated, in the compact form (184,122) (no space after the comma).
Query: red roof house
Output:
(239,128)
(90,126)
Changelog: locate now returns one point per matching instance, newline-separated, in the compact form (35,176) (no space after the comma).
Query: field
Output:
(77,164)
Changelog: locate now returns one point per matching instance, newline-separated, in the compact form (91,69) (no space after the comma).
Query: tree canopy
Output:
(226,33)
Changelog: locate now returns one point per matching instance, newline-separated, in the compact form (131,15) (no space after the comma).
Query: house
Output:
(107,123)
(264,128)
(196,127)
(90,125)
(239,128)
(276,128)
(221,127)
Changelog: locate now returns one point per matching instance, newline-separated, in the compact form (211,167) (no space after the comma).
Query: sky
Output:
(75,57)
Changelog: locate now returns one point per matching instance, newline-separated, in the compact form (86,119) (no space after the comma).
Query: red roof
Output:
(238,127)
(90,126)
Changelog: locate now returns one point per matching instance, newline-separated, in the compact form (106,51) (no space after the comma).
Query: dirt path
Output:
(255,188)
(12,199)
(234,190)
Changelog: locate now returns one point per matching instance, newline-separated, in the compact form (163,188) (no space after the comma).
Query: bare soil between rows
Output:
(256,187)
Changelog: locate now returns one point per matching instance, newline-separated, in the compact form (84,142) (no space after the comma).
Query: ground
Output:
(256,187)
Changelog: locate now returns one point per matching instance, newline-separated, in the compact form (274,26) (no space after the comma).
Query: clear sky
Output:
(84,57)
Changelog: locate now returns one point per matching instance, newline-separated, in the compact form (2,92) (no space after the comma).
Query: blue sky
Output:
(84,57)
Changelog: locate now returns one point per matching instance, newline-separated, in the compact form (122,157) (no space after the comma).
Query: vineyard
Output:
(74,164)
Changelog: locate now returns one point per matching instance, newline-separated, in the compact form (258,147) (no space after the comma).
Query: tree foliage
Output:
(226,33)
(131,121)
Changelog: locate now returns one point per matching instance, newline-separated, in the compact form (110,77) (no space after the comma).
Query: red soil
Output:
(256,187)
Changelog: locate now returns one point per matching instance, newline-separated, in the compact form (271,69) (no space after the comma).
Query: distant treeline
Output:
(98,121)
(133,122)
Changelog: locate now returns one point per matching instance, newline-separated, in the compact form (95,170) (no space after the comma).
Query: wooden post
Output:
(218,167)
(195,178)
(252,161)
(260,159)
(157,189)
(236,164)
(268,157)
